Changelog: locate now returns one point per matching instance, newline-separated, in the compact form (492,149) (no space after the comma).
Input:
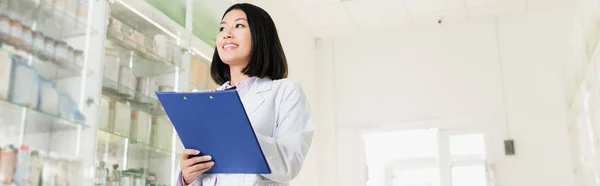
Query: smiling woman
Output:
(249,56)
(251,32)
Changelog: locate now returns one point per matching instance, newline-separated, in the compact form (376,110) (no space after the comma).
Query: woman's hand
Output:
(191,167)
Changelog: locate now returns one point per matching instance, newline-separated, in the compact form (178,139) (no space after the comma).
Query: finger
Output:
(201,159)
(201,166)
(198,173)
(195,160)
(187,152)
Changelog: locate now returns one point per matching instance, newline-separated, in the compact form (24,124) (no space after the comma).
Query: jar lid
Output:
(11,148)
(78,52)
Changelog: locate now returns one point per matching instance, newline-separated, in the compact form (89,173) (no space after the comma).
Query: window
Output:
(378,146)
(473,175)
(426,157)
(417,177)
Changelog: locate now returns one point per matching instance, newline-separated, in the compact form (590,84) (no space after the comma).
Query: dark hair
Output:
(267,58)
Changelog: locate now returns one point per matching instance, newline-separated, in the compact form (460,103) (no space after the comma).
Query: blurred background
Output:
(405,92)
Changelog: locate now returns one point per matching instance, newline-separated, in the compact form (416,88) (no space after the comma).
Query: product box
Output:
(122,118)
(25,85)
(163,133)
(48,97)
(141,121)
(105,116)
(111,66)
(127,81)
(5,73)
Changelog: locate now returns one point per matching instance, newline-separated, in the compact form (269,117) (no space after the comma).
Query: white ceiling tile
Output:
(421,6)
(389,22)
(373,10)
(453,4)
(479,3)
(434,18)
(324,15)
(336,31)
(498,8)
(308,3)
(548,4)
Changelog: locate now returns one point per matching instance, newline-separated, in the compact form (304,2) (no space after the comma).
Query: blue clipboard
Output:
(216,124)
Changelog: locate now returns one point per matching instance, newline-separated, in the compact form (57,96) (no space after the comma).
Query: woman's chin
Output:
(232,60)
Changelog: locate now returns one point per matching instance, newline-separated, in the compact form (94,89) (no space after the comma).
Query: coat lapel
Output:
(253,99)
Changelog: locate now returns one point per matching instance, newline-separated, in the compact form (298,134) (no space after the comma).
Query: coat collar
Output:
(254,98)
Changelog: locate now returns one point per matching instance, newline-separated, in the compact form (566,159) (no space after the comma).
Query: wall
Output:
(453,76)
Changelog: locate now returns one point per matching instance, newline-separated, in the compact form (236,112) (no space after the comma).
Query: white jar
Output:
(49,47)
(38,41)
(61,52)
(4,26)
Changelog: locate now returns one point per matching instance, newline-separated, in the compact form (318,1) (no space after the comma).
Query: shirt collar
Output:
(246,83)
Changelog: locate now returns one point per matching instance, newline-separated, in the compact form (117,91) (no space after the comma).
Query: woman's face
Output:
(234,42)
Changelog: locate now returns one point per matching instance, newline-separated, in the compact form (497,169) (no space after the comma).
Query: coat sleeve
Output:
(292,136)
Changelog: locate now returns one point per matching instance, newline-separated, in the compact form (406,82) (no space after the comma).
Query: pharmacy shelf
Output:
(56,22)
(136,100)
(39,121)
(135,149)
(145,62)
(143,17)
(48,68)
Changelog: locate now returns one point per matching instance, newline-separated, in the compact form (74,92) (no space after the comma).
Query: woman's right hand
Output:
(191,167)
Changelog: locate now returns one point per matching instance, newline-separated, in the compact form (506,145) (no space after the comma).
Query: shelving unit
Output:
(80,91)
(42,83)
(584,120)
(142,56)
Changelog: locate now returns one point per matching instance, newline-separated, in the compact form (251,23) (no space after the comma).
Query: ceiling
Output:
(342,17)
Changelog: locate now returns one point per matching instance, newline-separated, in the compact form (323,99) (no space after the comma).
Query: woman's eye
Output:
(221,29)
(239,26)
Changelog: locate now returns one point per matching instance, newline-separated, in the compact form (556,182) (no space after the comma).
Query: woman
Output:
(249,57)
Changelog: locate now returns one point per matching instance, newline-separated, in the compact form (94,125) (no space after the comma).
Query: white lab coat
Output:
(283,122)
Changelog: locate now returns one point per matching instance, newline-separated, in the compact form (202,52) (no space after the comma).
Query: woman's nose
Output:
(227,35)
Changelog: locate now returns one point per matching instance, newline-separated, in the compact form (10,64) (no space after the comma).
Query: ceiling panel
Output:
(374,10)
(308,3)
(336,31)
(548,4)
(420,6)
(434,18)
(498,8)
(325,15)
(479,3)
(389,22)
(453,5)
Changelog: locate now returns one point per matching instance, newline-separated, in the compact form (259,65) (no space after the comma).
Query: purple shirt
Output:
(242,87)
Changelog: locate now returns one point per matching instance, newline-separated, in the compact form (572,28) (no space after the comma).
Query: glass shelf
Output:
(143,61)
(56,22)
(128,11)
(135,149)
(145,55)
(50,69)
(140,101)
(39,121)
